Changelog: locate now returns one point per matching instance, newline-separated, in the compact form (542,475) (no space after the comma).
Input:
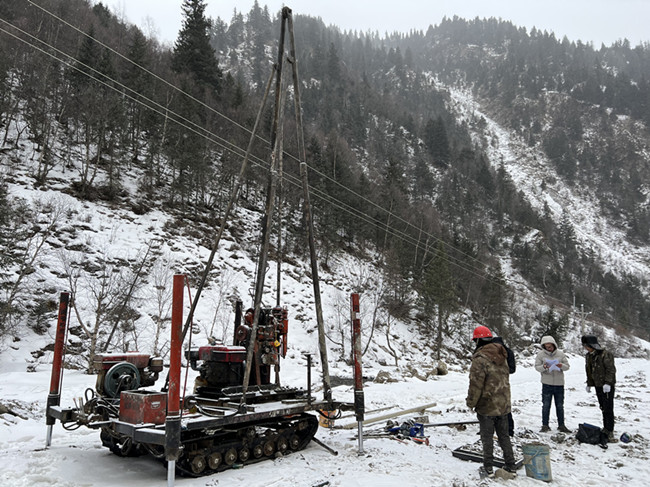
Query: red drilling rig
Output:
(221,424)
(238,413)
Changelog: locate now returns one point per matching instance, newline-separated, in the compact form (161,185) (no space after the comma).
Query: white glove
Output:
(607,388)
(588,388)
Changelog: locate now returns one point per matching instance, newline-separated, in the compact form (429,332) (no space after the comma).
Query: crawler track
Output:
(205,452)
(208,451)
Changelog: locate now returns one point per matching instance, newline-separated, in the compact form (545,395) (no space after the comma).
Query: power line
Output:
(217,112)
(228,146)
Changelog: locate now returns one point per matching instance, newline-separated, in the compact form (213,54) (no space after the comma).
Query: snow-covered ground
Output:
(76,458)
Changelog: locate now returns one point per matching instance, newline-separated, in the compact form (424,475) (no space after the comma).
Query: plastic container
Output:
(326,418)
(537,461)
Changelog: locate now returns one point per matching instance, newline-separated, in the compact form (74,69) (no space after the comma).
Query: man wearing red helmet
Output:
(489,396)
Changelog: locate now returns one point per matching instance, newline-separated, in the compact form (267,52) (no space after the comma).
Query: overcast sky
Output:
(597,21)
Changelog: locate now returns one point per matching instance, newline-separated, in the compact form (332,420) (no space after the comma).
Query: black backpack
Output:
(590,434)
(512,364)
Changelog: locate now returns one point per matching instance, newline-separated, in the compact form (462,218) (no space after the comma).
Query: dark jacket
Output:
(512,363)
(489,384)
(600,368)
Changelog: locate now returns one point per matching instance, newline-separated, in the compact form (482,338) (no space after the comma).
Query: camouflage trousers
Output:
(488,426)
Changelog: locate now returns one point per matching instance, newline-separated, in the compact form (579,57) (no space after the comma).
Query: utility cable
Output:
(215,111)
(226,145)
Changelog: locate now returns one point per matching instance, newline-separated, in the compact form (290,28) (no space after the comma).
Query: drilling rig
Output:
(238,412)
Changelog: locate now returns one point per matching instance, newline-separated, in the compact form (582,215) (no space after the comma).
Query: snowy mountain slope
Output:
(93,232)
(93,239)
(530,170)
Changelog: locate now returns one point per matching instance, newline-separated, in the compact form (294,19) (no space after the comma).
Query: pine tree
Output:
(111,122)
(194,59)
(437,293)
(555,326)
(437,142)
(87,60)
(333,65)
(423,182)
(193,53)
(137,80)
(494,299)
(5,212)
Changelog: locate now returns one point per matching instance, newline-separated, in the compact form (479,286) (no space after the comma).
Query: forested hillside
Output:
(399,177)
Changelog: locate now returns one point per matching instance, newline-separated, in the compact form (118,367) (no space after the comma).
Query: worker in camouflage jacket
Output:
(489,396)
(601,374)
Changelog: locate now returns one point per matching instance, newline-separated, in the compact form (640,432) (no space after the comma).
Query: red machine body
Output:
(223,366)
(117,372)
(270,341)
(139,406)
(107,360)
(222,353)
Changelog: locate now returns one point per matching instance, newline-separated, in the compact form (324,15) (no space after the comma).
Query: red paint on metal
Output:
(105,361)
(356,342)
(138,407)
(354,299)
(59,343)
(173,401)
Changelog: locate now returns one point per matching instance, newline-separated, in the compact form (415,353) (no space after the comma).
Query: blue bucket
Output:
(537,461)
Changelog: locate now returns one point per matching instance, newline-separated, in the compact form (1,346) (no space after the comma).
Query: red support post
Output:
(54,397)
(173,399)
(59,344)
(359,407)
(173,420)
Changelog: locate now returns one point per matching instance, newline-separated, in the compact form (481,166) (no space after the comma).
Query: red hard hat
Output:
(482,332)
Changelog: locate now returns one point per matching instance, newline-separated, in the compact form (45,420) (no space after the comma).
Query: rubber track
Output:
(304,427)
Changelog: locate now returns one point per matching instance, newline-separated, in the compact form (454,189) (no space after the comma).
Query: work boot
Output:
(545,429)
(610,437)
(564,429)
(486,472)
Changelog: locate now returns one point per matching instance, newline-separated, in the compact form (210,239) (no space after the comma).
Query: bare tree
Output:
(223,292)
(29,230)
(339,328)
(389,346)
(372,295)
(161,276)
(98,287)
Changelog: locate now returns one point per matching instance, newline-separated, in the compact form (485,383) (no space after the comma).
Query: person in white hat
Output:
(552,363)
